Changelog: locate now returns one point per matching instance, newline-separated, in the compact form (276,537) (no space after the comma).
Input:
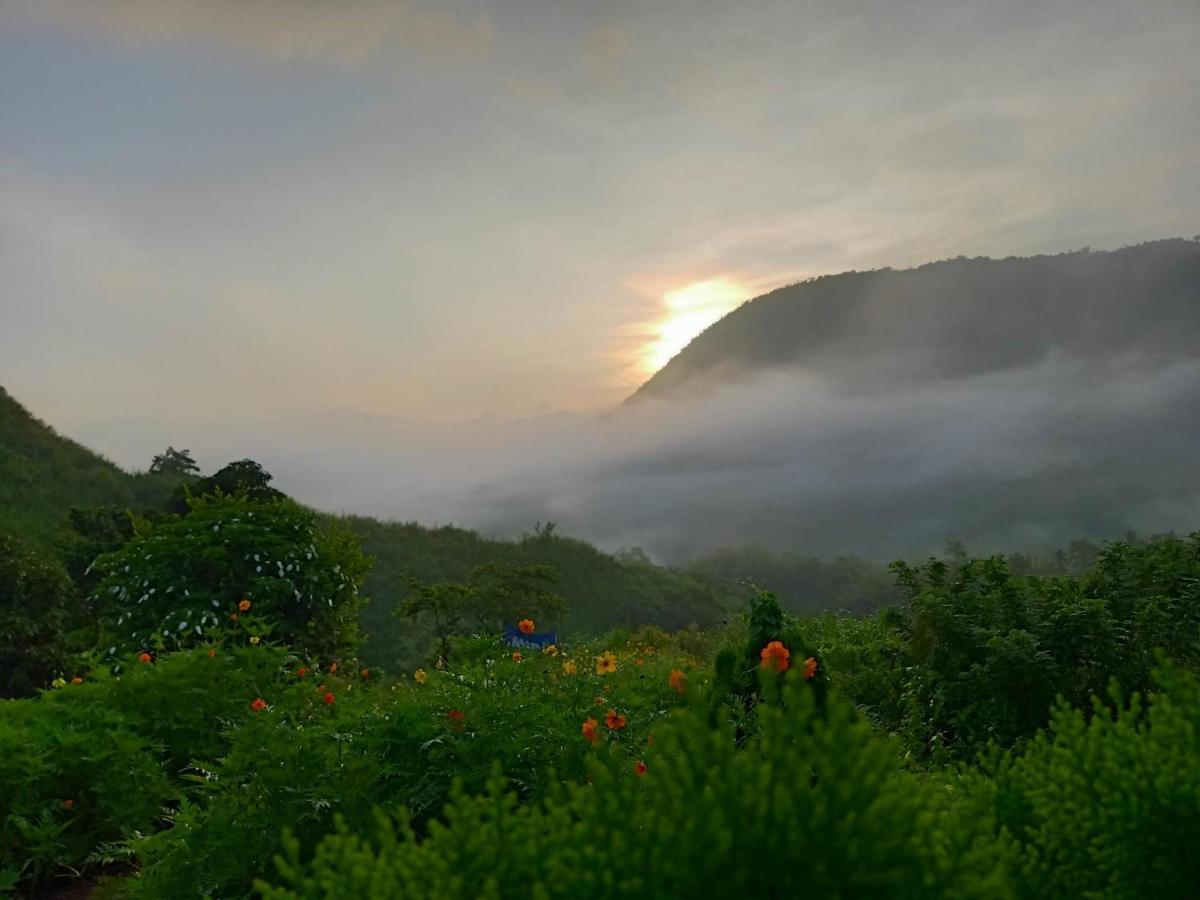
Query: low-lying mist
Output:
(1011,459)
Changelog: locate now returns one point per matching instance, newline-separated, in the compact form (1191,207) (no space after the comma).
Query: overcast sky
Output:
(243,210)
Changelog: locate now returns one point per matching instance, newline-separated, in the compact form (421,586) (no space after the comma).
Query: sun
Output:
(687,311)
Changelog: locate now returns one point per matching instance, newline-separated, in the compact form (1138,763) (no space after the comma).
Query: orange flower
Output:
(606,663)
(457,719)
(678,681)
(810,668)
(212,652)
(775,657)
(144,658)
(600,701)
(258,704)
(525,626)
(233,617)
(332,667)
(639,661)
(589,729)
(301,672)
(68,804)
(613,721)
(244,606)
(640,768)
(569,667)
(517,656)
(76,680)
(550,650)
(365,673)
(328,699)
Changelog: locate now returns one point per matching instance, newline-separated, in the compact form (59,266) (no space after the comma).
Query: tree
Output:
(38,609)
(493,595)
(174,462)
(181,580)
(244,478)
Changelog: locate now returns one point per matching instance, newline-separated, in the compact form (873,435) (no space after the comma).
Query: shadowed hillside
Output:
(1136,307)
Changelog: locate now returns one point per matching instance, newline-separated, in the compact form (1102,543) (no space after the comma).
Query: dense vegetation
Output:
(195,714)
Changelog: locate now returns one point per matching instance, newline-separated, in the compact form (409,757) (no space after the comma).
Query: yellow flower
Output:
(420,677)
(254,639)
(606,663)
(58,683)
(550,650)
(569,667)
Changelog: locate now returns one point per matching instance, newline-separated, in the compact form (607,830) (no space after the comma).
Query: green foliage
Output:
(492,596)
(301,761)
(986,652)
(1108,805)
(179,581)
(815,808)
(174,462)
(245,478)
(43,475)
(738,672)
(38,610)
(601,591)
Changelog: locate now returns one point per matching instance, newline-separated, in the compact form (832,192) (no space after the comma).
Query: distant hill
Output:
(955,319)
(43,475)
(603,591)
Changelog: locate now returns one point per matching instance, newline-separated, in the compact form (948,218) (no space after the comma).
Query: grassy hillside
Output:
(43,475)
(957,318)
(602,591)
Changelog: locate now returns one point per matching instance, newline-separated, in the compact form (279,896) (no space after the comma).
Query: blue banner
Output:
(514,638)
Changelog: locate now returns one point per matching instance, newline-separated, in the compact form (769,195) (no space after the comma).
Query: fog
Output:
(1006,460)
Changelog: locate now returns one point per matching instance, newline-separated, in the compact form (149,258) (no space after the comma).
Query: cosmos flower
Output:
(678,681)
(606,663)
(328,698)
(258,704)
(613,721)
(640,768)
(420,677)
(517,656)
(144,658)
(810,668)
(525,626)
(244,606)
(589,729)
(569,667)
(775,657)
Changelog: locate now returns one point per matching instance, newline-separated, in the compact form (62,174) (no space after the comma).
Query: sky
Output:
(230,211)
(237,221)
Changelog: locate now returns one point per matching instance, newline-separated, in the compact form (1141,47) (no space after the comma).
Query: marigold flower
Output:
(589,729)
(678,681)
(775,657)
(254,639)
(569,667)
(244,606)
(301,672)
(640,768)
(525,626)
(258,704)
(68,804)
(606,663)
(810,668)
(76,680)
(550,650)
(517,656)
(144,658)
(613,721)
(420,677)
(328,699)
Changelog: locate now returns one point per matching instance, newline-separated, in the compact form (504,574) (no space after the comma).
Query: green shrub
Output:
(813,807)
(1108,805)
(179,581)
(38,610)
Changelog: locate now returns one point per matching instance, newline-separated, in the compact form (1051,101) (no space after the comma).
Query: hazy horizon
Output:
(229,212)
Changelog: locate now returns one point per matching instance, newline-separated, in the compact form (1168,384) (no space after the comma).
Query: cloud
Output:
(349,32)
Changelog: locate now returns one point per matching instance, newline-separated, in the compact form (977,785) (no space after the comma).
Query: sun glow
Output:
(688,311)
